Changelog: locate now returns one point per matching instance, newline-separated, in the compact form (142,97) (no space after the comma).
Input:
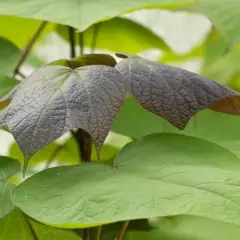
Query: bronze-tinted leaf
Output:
(55,99)
(174,93)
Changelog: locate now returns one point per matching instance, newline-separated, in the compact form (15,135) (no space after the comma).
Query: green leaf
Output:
(20,30)
(83,13)
(224,15)
(167,180)
(223,129)
(189,228)
(17,226)
(7,84)
(8,167)
(119,35)
(55,99)
(9,56)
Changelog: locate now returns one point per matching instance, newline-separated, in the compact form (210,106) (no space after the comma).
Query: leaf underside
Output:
(55,99)
(174,93)
(96,194)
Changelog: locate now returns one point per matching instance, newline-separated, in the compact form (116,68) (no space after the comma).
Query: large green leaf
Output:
(189,228)
(81,13)
(85,13)
(119,35)
(8,167)
(9,56)
(223,129)
(20,30)
(159,175)
(16,226)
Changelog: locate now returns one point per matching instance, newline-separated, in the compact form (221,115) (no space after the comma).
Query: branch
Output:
(123,230)
(94,38)
(29,47)
(72,42)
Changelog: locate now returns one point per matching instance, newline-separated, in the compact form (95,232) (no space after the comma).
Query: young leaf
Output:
(197,178)
(17,226)
(174,93)
(55,99)
(8,167)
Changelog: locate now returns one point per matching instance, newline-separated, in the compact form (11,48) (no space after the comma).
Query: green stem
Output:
(29,47)
(72,42)
(84,142)
(98,234)
(123,230)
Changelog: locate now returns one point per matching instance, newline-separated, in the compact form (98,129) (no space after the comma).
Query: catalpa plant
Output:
(87,93)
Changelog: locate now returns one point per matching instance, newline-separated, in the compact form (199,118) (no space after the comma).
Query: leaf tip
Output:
(25,164)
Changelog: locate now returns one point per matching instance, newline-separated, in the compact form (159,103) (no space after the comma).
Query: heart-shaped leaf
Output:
(8,167)
(148,179)
(174,93)
(55,99)
(17,226)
